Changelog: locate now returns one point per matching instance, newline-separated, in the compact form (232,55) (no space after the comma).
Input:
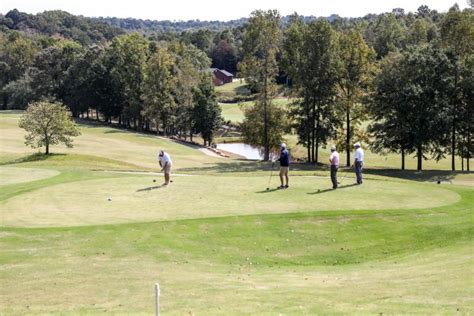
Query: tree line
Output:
(408,75)
(147,86)
(413,83)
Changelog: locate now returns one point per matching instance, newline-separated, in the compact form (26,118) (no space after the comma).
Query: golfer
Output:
(334,160)
(165,164)
(284,166)
(358,162)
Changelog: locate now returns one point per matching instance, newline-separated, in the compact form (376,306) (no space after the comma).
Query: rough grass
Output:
(219,243)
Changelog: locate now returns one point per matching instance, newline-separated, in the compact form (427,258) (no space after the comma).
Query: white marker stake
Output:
(157,298)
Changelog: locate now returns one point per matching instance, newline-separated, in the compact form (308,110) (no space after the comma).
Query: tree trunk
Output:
(453,145)
(453,136)
(468,149)
(348,137)
(308,145)
(266,156)
(313,135)
(317,136)
(97,115)
(403,158)
(5,101)
(419,155)
(47,148)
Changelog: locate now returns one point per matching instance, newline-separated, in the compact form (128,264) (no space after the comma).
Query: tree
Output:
(20,92)
(388,35)
(48,124)
(51,66)
(309,60)
(206,112)
(390,127)
(259,66)
(464,144)
(190,64)
(410,103)
(457,34)
(128,55)
(417,33)
(16,55)
(158,89)
(355,61)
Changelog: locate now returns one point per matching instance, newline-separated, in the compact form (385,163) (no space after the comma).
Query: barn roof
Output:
(226,72)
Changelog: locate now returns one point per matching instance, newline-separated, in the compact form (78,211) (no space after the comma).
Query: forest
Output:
(401,82)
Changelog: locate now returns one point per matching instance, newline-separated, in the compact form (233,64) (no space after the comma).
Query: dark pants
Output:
(334,176)
(358,171)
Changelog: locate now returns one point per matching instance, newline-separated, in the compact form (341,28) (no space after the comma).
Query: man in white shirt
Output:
(165,164)
(358,162)
(334,160)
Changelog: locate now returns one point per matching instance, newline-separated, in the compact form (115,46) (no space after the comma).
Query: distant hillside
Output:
(167,26)
(92,30)
(59,23)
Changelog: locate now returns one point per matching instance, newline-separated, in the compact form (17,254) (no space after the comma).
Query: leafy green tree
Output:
(20,92)
(48,124)
(457,34)
(51,66)
(259,67)
(16,55)
(309,52)
(390,125)
(355,63)
(128,55)
(465,146)
(190,63)
(206,112)
(159,102)
(389,35)
(417,32)
(410,102)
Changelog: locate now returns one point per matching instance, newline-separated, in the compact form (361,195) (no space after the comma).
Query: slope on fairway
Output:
(10,175)
(137,199)
(131,148)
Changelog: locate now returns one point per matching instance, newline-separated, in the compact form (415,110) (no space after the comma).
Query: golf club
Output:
(343,176)
(271,174)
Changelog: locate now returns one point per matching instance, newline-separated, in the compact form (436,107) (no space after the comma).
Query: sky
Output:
(219,10)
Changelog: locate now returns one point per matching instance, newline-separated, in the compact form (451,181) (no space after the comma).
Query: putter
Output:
(270,178)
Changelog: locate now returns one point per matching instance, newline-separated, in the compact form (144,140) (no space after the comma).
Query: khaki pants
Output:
(167,169)
(284,171)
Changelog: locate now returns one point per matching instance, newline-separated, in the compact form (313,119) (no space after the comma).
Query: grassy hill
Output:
(80,233)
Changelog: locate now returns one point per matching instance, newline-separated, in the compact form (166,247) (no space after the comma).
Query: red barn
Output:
(220,77)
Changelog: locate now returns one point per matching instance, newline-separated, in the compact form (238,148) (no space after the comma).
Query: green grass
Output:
(217,241)
(237,87)
(234,111)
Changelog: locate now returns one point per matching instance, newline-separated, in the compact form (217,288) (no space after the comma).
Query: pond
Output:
(245,150)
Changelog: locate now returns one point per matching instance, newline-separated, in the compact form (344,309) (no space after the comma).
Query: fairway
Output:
(216,240)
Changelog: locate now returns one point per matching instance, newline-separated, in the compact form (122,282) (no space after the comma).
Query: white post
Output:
(157,299)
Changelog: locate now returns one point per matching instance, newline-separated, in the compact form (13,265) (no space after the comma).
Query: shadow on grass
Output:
(244,165)
(330,190)
(151,188)
(32,158)
(422,176)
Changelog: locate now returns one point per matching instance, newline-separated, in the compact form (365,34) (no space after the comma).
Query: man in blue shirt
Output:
(284,166)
